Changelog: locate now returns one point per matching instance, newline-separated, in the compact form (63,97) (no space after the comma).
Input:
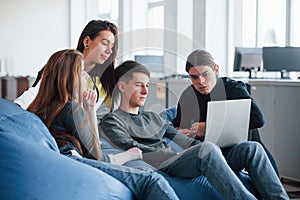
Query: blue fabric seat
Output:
(31,166)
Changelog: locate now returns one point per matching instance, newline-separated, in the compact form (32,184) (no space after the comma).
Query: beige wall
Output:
(31,31)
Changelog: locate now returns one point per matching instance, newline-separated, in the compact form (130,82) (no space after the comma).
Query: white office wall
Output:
(78,18)
(31,31)
(81,12)
(216,32)
(184,33)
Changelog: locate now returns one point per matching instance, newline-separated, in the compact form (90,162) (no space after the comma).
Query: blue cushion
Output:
(16,121)
(193,188)
(32,168)
(169,114)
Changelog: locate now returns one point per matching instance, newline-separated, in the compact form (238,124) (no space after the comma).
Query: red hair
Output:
(61,83)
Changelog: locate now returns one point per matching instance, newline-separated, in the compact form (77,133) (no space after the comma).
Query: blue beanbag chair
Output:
(31,166)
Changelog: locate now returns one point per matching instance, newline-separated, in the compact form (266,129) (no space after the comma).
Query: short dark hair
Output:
(126,69)
(199,57)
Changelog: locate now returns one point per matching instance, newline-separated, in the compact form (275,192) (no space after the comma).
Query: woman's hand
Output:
(89,98)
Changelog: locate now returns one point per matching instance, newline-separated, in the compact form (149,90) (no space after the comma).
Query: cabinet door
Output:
(287,130)
(264,96)
(281,132)
(157,95)
(175,88)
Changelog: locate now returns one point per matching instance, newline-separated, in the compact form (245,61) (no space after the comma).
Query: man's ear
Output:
(121,86)
(216,69)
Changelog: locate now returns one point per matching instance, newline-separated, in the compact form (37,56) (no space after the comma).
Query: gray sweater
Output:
(146,131)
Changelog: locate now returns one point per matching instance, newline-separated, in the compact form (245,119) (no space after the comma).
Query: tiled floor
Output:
(292,188)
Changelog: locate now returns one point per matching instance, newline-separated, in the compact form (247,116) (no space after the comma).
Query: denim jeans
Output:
(185,188)
(207,159)
(144,184)
(253,157)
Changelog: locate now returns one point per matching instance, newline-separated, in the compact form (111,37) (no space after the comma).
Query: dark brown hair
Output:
(199,57)
(106,70)
(126,69)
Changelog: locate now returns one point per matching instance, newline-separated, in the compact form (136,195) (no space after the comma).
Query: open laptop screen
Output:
(227,121)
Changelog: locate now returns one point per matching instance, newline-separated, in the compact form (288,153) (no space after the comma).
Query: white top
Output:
(25,99)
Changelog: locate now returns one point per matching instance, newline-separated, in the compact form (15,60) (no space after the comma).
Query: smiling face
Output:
(97,51)
(204,78)
(135,91)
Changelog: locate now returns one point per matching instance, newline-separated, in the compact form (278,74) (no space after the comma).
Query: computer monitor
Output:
(246,58)
(281,58)
(153,62)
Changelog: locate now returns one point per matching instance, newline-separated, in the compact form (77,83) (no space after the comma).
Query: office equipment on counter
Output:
(281,59)
(154,63)
(247,59)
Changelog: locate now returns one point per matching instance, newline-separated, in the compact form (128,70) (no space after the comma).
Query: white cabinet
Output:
(157,96)
(280,103)
(165,93)
(175,87)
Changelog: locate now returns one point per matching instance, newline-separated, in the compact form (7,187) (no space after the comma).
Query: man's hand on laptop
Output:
(188,132)
(196,131)
(199,129)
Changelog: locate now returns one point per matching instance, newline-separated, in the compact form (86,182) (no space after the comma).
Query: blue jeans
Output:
(144,184)
(207,159)
(185,188)
(253,157)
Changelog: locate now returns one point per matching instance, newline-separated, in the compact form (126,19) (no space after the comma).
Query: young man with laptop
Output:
(128,127)
(207,86)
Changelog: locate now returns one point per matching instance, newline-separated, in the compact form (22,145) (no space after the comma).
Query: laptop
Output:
(227,122)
